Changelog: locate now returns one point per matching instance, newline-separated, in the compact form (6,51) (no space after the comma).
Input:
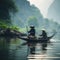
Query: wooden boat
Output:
(36,40)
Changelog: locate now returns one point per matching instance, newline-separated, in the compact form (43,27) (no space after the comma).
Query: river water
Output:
(16,49)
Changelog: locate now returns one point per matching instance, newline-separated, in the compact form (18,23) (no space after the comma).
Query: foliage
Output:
(14,28)
(3,25)
(32,20)
(7,7)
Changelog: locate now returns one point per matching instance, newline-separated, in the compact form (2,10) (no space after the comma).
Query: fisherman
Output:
(32,31)
(44,34)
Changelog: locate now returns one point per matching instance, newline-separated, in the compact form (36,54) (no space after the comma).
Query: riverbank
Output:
(10,32)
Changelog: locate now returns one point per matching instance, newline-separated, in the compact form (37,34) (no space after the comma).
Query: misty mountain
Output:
(29,14)
(25,10)
(54,11)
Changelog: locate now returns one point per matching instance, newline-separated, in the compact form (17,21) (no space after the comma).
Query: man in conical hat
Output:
(32,30)
(44,34)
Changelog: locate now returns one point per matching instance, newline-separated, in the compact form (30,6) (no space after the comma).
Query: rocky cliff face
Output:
(54,11)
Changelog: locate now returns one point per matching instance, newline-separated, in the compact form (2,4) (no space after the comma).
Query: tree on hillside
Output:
(7,7)
(32,21)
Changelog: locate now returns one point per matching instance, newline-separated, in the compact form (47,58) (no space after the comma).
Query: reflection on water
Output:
(16,49)
(40,48)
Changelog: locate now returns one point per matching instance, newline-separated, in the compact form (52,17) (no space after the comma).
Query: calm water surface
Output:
(16,49)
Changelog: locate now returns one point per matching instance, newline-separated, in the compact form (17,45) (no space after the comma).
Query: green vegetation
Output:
(7,8)
(3,25)
(14,28)
(32,20)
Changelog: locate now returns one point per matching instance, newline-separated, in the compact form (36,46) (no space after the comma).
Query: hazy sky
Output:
(42,5)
